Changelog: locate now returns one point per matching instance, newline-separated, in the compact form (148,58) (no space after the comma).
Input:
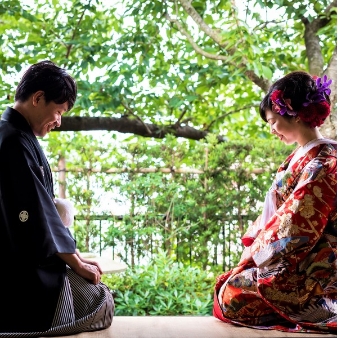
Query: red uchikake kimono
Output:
(290,283)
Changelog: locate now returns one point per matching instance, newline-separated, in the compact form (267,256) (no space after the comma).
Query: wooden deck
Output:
(184,327)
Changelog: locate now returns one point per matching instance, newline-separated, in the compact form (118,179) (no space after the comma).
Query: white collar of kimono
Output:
(301,151)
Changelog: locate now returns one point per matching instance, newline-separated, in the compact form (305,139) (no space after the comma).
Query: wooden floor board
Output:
(185,327)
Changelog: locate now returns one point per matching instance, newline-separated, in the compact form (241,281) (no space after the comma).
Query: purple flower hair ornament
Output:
(279,105)
(319,94)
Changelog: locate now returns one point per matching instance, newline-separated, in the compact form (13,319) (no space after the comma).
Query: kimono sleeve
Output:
(299,223)
(32,228)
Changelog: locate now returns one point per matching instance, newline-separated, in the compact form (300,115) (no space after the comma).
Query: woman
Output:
(286,278)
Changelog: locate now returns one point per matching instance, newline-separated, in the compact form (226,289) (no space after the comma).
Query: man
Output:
(46,287)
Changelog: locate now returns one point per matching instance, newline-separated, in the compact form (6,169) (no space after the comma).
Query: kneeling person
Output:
(47,288)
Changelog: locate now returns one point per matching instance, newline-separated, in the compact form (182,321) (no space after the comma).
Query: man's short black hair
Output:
(58,86)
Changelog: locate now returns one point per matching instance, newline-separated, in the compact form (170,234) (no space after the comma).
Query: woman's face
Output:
(284,128)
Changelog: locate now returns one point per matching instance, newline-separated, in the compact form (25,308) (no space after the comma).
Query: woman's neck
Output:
(310,135)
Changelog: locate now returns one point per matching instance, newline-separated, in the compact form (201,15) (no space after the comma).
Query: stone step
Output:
(184,327)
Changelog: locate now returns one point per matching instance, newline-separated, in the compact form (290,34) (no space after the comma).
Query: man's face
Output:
(47,116)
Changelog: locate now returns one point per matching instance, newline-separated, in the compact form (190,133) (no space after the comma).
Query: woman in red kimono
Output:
(286,278)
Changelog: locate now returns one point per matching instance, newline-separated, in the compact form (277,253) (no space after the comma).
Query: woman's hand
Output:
(246,259)
(246,256)
(237,270)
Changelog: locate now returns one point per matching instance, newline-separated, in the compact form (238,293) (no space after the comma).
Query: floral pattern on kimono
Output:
(290,284)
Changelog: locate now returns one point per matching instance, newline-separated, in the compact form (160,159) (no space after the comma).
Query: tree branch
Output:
(227,114)
(133,126)
(191,40)
(69,48)
(181,117)
(264,84)
(186,4)
(136,116)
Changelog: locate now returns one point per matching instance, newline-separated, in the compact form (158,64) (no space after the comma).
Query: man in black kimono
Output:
(46,287)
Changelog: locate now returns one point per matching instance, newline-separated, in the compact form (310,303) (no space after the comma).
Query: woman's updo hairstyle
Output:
(299,94)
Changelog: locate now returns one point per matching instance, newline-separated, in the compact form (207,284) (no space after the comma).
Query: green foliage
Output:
(128,59)
(162,288)
(137,209)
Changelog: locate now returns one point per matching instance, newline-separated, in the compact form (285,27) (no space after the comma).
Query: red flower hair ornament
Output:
(315,107)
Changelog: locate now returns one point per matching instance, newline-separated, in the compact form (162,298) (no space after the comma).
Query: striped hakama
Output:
(81,307)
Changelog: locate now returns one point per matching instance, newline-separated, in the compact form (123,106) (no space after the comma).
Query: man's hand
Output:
(90,271)
(88,261)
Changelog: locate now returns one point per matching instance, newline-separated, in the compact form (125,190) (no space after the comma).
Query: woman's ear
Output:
(288,103)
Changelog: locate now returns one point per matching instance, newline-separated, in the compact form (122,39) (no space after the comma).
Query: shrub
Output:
(163,287)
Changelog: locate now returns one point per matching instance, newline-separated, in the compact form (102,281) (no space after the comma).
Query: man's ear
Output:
(37,97)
